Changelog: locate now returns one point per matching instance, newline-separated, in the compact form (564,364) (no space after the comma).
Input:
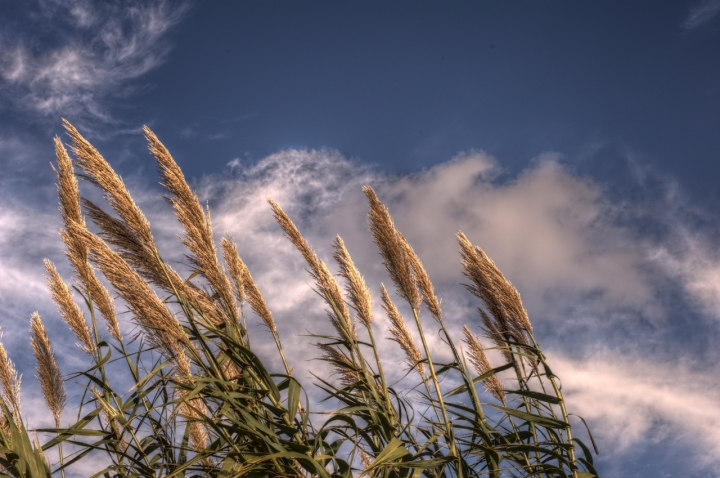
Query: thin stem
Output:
(382,375)
(438,392)
(566,418)
(60,452)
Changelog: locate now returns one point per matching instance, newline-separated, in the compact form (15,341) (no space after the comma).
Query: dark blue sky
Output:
(408,87)
(624,94)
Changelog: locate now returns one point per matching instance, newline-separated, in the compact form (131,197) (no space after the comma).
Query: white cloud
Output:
(555,235)
(632,401)
(550,232)
(26,236)
(103,46)
(701,13)
(695,262)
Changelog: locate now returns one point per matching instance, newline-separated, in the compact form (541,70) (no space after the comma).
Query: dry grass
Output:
(49,376)
(401,334)
(482,365)
(392,250)
(69,310)
(10,381)
(202,403)
(356,289)
(326,284)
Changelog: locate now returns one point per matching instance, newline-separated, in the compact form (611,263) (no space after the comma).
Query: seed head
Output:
(327,286)
(10,381)
(49,375)
(68,309)
(481,364)
(356,287)
(401,334)
(389,241)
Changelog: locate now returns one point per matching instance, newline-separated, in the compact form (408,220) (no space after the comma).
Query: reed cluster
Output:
(202,403)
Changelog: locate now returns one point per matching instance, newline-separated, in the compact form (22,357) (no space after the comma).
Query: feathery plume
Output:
(493,332)
(85,275)
(70,212)
(10,381)
(247,289)
(319,271)
(130,246)
(343,365)
(68,189)
(150,267)
(401,334)
(481,364)
(68,309)
(235,266)
(356,288)
(132,231)
(507,318)
(422,278)
(49,375)
(365,459)
(161,326)
(198,436)
(98,171)
(254,297)
(394,257)
(489,284)
(198,237)
(194,410)
(133,228)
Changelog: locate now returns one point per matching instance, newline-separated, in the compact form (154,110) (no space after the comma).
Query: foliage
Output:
(202,403)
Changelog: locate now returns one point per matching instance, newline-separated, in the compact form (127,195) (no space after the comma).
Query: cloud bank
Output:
(593,284)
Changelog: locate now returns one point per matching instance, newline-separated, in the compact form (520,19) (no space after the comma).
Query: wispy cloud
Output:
(634,402)
(701,13)
(95,49)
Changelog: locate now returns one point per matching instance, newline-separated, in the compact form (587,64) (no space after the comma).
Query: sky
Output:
(576,142)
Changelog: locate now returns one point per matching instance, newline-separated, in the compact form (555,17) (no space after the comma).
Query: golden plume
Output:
(391,248)
(481,364)
(49,376)
(198,237)
(10,381)
(501,298)
(401,334)
(160,325)
(422,279)
(328,287)
(235,266)
(70,212)
(68,309)
(356,288)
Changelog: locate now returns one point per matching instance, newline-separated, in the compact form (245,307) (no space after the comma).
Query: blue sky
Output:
(577,142)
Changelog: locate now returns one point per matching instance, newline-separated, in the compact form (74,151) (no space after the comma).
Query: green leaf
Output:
(293,397)
(592,440)
(392,451)
(529,417)
(463,388)
(536,395)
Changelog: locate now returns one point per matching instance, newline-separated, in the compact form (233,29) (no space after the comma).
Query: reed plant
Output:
(202,403)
